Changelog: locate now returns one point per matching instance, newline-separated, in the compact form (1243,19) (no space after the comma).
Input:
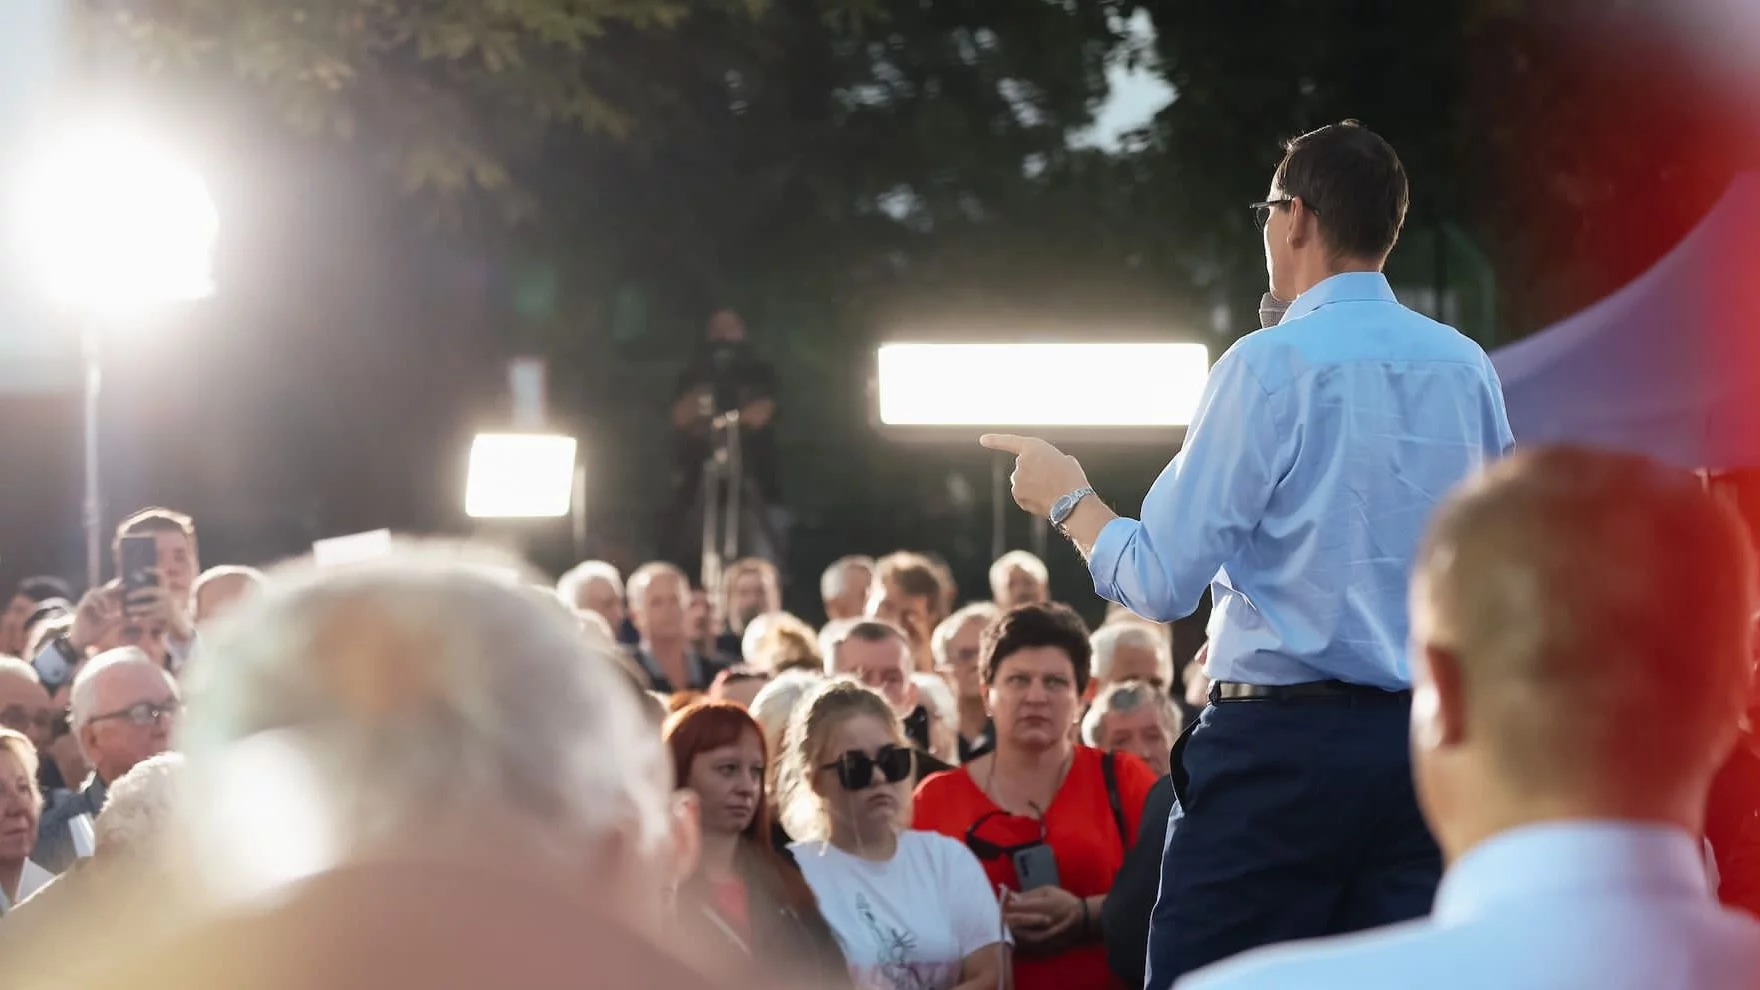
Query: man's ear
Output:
(1304,223)
(1439,709)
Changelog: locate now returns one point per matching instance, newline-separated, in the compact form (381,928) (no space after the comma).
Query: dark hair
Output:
(44,587)
(1353,182)
(1026,626)
(916,576)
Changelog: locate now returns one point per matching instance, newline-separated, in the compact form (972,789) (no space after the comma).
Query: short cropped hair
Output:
(155,520)
(1125,697)
(1026,626)
(916,576)
(570,583)
(645,574)
(1017,559)
(942,637)
(1108,638)
(831,582)
(83,696)
(1575,671)
(1354,184)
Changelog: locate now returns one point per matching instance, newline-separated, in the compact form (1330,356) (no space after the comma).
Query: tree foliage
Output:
(452,94)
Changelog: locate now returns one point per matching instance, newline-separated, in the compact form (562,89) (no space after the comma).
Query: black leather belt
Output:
(1223,691)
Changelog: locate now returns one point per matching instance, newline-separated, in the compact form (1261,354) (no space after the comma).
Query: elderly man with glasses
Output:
(123,708)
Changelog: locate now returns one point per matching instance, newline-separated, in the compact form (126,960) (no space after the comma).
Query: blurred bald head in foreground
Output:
(414,772)
(1582,625)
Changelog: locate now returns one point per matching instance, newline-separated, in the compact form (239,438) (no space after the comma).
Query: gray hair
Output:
(1108,638)
(1125,697)
(755,630)
(645,575)
(834,582)
(83,696)
(1021,559)
(413,692)
(950,627)
(139,808)
(776,702)
(592,570)
(11,665)
(938,698)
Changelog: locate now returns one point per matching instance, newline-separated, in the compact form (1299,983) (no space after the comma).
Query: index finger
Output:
(1005,441)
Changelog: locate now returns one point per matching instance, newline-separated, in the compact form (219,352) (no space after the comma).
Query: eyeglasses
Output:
(855,769)
(1262,211)
(144,713)
(20,718)
(986,850)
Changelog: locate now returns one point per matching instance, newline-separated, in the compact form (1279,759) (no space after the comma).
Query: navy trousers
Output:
(1294,819)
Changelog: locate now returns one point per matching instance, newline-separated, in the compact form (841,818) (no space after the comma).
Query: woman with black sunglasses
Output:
(912,910)
(1048,818)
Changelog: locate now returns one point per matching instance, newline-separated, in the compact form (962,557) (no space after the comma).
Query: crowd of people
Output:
(1468,716)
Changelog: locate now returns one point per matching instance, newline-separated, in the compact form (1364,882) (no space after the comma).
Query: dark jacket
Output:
(54,850)
(1124,917)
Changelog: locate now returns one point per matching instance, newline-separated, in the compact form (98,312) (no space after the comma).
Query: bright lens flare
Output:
(520,476)
(114,222)
(1041,384)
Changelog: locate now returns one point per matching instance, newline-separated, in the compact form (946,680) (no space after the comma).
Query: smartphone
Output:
(52,666)
(140,555)
(1035,867)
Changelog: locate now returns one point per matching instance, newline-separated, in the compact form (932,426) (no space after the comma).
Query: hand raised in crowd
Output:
(1044,921)
(158,606)
(1042,473)
(98,616)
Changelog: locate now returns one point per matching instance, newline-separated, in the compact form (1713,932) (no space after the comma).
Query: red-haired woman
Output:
(746,891)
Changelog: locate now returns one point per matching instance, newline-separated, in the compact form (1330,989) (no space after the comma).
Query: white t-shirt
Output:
(907,923)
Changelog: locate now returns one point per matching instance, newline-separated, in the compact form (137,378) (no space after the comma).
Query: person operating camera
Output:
(725,376)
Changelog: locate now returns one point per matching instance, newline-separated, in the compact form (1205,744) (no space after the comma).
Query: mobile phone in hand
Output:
(140,556)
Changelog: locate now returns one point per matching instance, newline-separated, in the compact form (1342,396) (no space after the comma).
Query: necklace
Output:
(1038,812)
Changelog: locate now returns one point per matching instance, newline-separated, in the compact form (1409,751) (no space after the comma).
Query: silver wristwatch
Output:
(1063,507)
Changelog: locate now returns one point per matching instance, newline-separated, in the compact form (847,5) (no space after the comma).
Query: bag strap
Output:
(1109,770)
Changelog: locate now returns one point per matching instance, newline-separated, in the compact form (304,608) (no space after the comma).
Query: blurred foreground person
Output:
(1567,722)
(410,772)
(220,590)
(744,891)
(121,885)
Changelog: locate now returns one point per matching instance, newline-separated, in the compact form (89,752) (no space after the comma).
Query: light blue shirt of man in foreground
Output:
(1582,656)
(1594,905)
(1318,451)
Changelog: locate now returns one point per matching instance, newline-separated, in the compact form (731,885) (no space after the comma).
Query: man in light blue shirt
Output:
(1318,451)
(1582,647)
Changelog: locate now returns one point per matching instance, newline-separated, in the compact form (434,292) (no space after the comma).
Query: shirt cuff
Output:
(1108,551)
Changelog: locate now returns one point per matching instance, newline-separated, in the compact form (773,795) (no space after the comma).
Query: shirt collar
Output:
(1343,287)
(1579,857)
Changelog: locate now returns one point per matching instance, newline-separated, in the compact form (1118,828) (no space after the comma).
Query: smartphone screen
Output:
(52,666)
(140,555)
(1035,867)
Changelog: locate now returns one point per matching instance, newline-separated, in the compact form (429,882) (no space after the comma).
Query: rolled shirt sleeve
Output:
(1205,503)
